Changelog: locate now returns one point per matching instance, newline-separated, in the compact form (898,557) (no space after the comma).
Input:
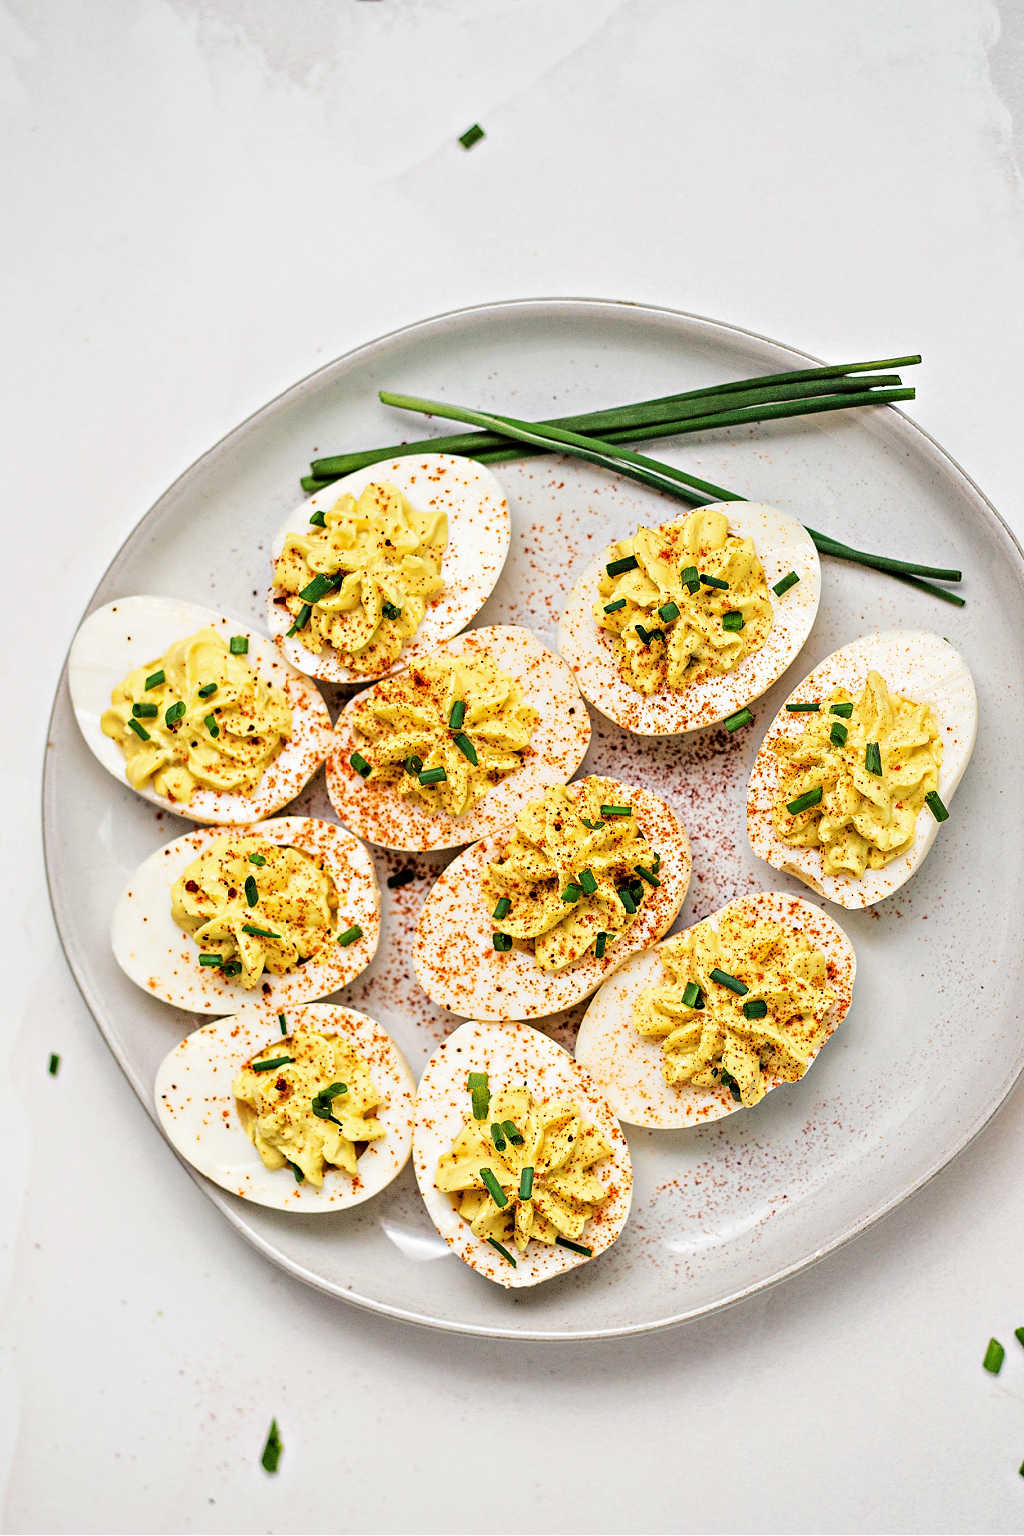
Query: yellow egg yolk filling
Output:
(571,879)
(255,906)
(670,629)
(197,717)
(361,583)
(769,1024)
(539,1158)
(313,1108)
(874,762)
(461,723)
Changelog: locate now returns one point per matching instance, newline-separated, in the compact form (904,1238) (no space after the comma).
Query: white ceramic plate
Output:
(917,1068)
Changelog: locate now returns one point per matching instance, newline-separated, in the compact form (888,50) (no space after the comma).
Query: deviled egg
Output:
(451,749)
(288,909)
(518,1156)
(856,772)
(683,625)
(307,1111)
(716,1016)
(196,711)
(382,566)
(530,920)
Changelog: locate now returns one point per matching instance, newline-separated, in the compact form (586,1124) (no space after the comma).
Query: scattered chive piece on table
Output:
(140,730)
(208,690)
(620,602)
(935,805)
(493,1188)
(668,612)
(399,878)
(622,565)
(994,1357)
(391,611)
(845,710)
(1018,1333)
(432,776)
(567,1242)
(145,711)
(526,1184)
(210,721)
(647,874)
(616,810)
(456,715)
(466,747)
(211,960)
(873,759)
(275,1061)
(498,1137)
(693,997)
(283,1023)
(272,1449)
(257,859)
(502,942)
(301,619)
(259,933)
(318,520)
(600,944)
(175,712)
(361,766)
(572,893)
(714,581)
(805,801)
(837,735)
(54,1066)
(733,621)
(502,908)
(732,982)
(238,645)
(741,717)
(756,1008)
(155,679)
(789,580)
(803,709)
(500,1248)
(412,765)
(514,1135)
(472,136)
(252,894)
(349,936)
(588,883)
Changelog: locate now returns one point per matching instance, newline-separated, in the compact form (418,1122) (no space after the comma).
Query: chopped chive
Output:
(714,581)
(645,635)
(733,620)
(272,1449)
(502,909)
(616,810)
(803,709)
(647,874)
(318,520)
(620,602)
(805,801)
(156,678)
(472,136)
(837,735)
(211,960)
(399,878)
(476,1080)
(252,894)
(145,711)
(432,776)
(1018,1334)
(619,567)
(361,766)
(668,612)
(572,893)
(689,578)
(232,969)
(502,1250)
(636,890)
(514,1135)
(481,1103)
(600,944)
(755,1008)
(994,1357)
(318,588)
(732,982)
(594,826)
(321,1102)
(257,859)
(728,1081)
(283,1023)
(412,765)
(350,935)
(502,942)
(936,806)
(391,611)
(588,884)
(526,1184)
(299,1175)
(259,933)
(466,747)
(693,997)
(567,1242)
(741,717)
(238,645)
(207,690)
(140,730)
(275,1061)
(873,759)
(846,710)
(787,581)
(498,1137)
(456,715)
(175,712)
(493,1188)
(626,897)
(301,619)
(54,1066)
(210,721)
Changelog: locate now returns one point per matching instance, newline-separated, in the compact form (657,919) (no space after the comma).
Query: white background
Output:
(203,200)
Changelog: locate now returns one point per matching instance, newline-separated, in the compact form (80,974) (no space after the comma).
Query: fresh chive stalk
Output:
(741,717)
(935,805)
(732,982)
(805,801)
(995,1354)
(500,1248)
(350,935)
(493,1188)
(803,709)
(844,710)
(787,581)
(693,997)
(274,1062)
(567,1242)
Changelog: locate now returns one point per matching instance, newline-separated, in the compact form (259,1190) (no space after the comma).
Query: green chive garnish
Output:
(713,581)
(733,620)
(238,645)
(873,759)
(390,611)
(994,1357)
(321,1102)
(272,1450)
(399,878)
(689,578)
(789,580)
(318,520)
(732,982)
(837,735)
(514,1135)
(493,1188)
(140,730)
(741,717)
(572,893)
(317,588)
(647,874)
(252,894)
(257,859)
(274,1062)
(456,715)
(361,766)
(626,897)
(846,710)
(502,942)
(502,1250)
(299,1175)
(472,136)
(1018,1334)
(756,1008)
(476,1080)
(175,712)
(210,721)
(145,711)
(567,1242)
(350,935)
(481,1102)
(616,810)
(211,960)
(588,884)
(412,765)
(804,709)
(502,909)
(156,678)
(54,1066)
(805,801)
(207,691)
(668,612)
(693,997)
(466,747)
(619,567)
(259,933)
(301,619)
(600,944)
(728,1081)
(498,1137)
(232,969)
(432,776)
(936,806)
(283,1023)
(526,1184)
(620,602)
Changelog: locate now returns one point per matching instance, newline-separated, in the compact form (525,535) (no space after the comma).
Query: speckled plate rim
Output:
(905,430)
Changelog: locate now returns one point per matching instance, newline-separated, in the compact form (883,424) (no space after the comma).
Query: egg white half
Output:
(628,1067)
(919,666)
(782,545)
(196,1108)
(163,959)
(453,951)
(131,631)
(513,1054)
(557,748)
(479,531)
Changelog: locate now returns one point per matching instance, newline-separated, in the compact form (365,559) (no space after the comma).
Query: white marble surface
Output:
(207,198)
